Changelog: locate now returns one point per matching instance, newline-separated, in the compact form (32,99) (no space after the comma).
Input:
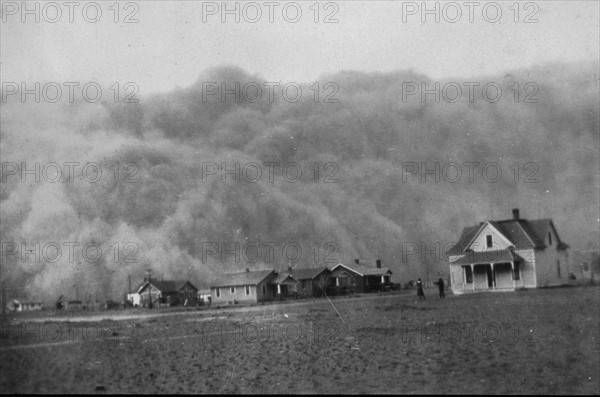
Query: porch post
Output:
(512,265)
(493,277)
(473,275)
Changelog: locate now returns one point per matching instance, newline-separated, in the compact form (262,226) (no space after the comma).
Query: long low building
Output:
(249,286)
(267,285)
(359,277)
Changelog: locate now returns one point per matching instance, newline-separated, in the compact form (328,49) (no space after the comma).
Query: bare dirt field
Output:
(533,342)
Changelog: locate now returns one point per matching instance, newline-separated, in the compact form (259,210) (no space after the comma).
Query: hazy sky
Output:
(173,42)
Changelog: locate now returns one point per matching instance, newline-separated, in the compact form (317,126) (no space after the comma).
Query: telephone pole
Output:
(3,285)
(3,294)
(150,288)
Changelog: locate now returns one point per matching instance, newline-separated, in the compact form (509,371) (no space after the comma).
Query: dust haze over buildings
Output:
(371,210)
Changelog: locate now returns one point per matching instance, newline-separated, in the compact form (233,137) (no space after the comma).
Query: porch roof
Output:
(283,278)
(496,256)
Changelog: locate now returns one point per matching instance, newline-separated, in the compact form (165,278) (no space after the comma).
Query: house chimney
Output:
(357,261)
(515,212)
(378,263)
(290,269)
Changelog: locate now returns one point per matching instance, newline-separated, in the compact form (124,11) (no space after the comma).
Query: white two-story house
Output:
(508,254)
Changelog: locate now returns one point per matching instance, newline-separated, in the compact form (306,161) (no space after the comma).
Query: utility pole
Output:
(3,294)
(150,288)
(3,285)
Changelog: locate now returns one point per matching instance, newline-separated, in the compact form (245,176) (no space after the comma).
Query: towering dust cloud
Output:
(368,183)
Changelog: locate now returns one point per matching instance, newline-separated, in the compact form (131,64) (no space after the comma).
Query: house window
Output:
(468,274)
(516,272)
(247,290)
(218,292)
(549,238)
(488,240)
(264,289)
(558,268)
(232,290)
(304,284)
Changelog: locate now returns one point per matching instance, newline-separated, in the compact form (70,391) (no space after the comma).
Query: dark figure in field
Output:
(440,284)
(420,292)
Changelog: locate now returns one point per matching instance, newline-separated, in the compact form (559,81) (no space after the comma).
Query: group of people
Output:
(421,293)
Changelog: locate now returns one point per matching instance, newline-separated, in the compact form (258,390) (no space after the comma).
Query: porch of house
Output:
(477,277)
(286,289)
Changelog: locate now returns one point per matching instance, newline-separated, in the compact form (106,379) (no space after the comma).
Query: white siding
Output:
(503,273)
(480,243)
(480,277)
(528,275)
(457,279)
(547,271)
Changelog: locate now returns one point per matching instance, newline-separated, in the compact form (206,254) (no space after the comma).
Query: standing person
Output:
(440,284)
(420,292)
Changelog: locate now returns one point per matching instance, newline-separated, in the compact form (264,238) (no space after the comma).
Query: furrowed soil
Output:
(543,341)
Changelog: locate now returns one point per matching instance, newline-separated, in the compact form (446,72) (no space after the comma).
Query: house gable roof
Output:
(308,273)
(243,278)
(363,270)
(165,285)
(497,228)
(467,235)
(285,278)
(522,233)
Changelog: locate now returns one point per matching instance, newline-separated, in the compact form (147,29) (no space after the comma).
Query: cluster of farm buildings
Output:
(503,255)
(268,285)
